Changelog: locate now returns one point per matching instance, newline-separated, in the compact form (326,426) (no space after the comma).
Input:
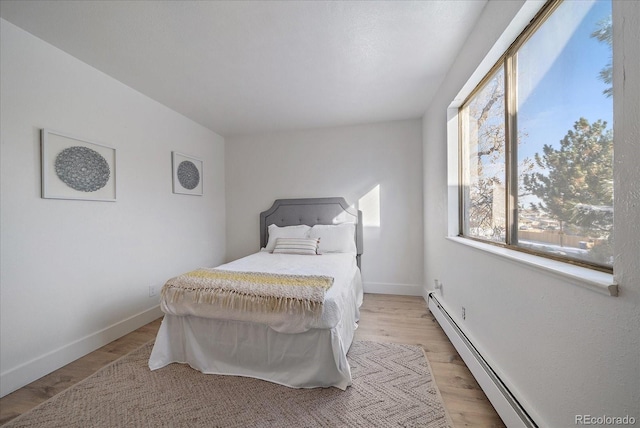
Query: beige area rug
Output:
(392,387)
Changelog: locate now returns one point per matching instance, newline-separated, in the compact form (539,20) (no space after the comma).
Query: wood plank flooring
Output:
(384,318)
(406,319)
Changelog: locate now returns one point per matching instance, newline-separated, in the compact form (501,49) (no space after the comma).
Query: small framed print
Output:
(75,168)
(187,174)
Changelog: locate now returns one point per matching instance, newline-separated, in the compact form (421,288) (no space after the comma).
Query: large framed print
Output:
(187,174)
(75,168)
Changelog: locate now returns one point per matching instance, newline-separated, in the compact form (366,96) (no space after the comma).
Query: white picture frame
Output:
(76,168)
(187,174)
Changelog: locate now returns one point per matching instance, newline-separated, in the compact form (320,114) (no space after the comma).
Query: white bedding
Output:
(299,353)
(340,266)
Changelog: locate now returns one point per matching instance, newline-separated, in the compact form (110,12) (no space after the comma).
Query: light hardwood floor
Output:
(384,318)
(406,319)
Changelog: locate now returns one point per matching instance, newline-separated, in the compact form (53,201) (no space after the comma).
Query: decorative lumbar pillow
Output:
(275,232)
(306,246)
(336,238)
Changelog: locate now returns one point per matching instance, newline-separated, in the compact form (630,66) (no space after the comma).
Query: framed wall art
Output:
(74,168)
(187,174)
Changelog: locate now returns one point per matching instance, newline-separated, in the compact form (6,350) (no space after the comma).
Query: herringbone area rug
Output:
(392,387)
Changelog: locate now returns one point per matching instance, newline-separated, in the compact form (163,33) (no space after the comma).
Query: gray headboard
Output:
(311,211)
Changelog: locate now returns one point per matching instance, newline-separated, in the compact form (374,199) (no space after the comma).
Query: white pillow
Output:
(305,246)
(275,232)
(339,238)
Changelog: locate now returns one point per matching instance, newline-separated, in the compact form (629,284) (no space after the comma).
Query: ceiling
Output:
(241,67)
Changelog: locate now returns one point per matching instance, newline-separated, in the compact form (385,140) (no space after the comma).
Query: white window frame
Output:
(601,282)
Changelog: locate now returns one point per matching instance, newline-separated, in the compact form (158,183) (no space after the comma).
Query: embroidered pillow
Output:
(306,246)
(275,232)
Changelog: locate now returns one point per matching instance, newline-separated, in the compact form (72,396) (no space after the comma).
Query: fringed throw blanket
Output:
(250,290)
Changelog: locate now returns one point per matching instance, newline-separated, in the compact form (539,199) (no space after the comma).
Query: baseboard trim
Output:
(508,407)
(399,289)
(26,373)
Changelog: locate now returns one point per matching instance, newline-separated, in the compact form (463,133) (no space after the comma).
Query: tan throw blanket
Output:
(250,290)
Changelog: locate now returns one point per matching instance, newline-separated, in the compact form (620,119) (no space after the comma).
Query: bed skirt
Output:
(314,358)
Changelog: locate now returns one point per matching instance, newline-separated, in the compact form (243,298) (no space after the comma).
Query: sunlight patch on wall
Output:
(369,204)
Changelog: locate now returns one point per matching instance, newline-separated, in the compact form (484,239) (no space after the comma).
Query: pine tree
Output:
(569,180)
(604,33)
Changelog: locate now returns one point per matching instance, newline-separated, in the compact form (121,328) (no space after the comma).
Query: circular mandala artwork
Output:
(188,175)
(82,169)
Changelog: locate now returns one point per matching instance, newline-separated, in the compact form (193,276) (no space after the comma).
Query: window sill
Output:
(594,280)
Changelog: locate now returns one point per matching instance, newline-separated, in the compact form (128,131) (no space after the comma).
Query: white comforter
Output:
(346,290)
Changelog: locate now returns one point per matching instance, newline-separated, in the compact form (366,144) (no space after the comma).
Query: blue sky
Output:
(553,102)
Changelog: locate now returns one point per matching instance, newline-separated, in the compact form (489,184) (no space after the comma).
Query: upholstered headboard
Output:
(311,211)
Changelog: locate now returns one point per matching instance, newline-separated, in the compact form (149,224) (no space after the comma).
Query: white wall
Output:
(344,161)
(75,274)
(563,349)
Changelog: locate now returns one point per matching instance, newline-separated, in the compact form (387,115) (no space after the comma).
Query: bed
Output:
(300,345)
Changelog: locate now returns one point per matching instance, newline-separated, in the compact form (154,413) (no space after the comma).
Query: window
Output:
(536,140)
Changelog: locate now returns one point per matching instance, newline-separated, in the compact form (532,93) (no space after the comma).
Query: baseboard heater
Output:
(507,406)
